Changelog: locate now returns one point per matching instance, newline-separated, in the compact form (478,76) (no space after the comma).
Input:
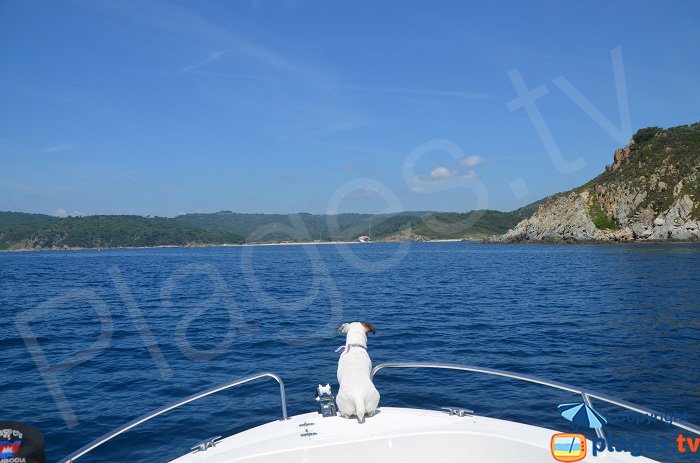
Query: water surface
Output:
(623,320)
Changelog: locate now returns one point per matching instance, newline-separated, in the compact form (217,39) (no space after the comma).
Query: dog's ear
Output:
(344,328)
(369,328)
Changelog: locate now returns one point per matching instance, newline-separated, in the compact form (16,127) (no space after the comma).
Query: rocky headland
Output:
(651,192)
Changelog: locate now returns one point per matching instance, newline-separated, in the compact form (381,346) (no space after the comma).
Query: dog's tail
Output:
(360,408)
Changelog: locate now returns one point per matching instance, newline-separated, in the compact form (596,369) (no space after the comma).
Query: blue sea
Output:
(92,339)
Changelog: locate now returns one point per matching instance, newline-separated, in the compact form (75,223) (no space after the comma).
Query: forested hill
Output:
(19,231)
(414,226)
(33,231)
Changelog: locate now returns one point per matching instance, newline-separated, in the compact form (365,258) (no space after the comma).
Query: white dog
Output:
(357,395)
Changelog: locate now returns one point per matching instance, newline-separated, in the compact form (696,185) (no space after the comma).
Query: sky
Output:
(282,106)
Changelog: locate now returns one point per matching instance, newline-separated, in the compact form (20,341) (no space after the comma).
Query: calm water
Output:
(622,320)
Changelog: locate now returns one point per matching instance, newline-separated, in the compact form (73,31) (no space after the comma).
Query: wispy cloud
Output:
(57,148)
(471,161)
(188,30)
(174,19)
(211,57)
(314,108)
(416,91)
(444,93)
(471,175)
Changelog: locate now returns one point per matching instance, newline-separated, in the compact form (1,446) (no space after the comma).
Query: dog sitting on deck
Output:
(357,395)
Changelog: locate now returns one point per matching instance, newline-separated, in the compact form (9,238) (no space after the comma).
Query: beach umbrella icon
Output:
(582,415)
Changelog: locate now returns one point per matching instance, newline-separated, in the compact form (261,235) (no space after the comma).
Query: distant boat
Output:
(366,238)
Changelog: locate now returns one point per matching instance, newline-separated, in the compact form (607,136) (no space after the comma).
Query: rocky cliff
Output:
(651,192)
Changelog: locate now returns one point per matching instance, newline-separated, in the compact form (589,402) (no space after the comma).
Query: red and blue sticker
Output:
(9,448)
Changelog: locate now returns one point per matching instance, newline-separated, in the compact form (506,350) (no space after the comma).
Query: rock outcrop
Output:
(651,192)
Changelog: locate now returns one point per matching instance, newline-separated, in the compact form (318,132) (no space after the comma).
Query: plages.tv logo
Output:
(572,447)
(568,447)
(693,443)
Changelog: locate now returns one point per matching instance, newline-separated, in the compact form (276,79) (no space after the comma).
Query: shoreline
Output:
(591,242)
(227,245)
(307,243)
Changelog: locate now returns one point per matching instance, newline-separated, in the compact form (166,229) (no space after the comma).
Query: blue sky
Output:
(283,106)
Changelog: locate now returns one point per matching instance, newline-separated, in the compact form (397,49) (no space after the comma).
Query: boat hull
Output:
(392,435)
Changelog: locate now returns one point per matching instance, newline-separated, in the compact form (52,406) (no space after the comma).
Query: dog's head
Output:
(357,331)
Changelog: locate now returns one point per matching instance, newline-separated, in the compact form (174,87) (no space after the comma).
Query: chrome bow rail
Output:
(585,394)
(138,421)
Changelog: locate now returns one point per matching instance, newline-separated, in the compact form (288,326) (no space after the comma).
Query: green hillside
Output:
(104,232)
(655,163)
(18,218)
(305,227)
(36,231)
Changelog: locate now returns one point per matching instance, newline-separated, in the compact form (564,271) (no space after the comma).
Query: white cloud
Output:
(471,161)
(440,174)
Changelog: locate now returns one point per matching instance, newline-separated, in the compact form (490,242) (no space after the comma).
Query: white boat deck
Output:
(392,435)
(404,435)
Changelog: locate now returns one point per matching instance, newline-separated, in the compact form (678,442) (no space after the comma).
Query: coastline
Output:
(307,243)
(222,245)
(588,242)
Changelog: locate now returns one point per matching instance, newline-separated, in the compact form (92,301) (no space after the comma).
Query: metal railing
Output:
(585,394)
(138,421)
